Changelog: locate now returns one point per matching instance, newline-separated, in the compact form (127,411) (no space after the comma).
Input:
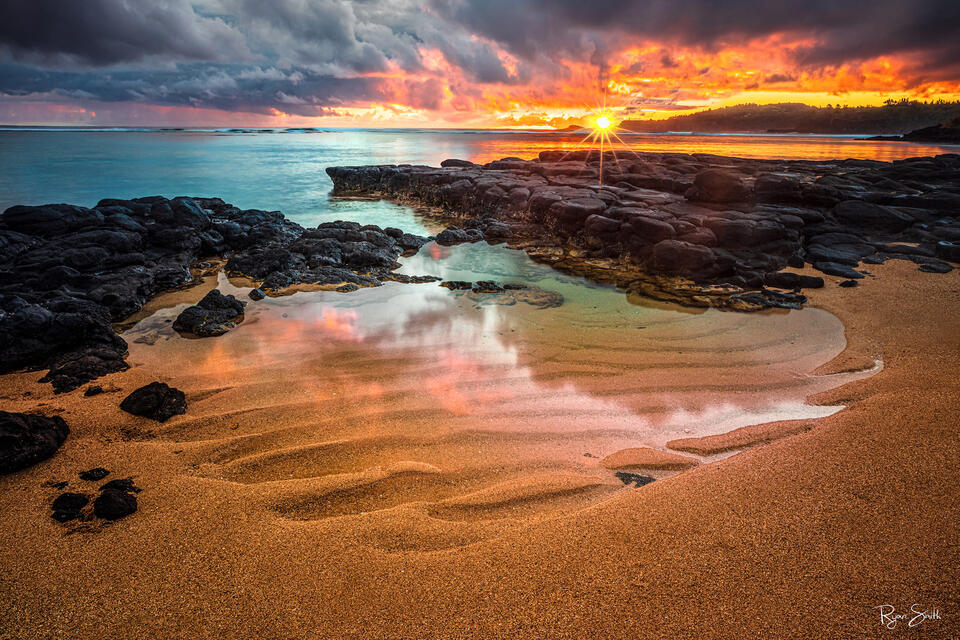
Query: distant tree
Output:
(895,116)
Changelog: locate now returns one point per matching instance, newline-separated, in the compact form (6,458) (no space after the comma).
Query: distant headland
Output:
(894,117)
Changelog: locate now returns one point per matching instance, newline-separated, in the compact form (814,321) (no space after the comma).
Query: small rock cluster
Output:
(730,225)
(333,254)
(509,293)
(116,500)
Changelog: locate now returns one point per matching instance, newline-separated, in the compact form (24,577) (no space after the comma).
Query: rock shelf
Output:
(698,229)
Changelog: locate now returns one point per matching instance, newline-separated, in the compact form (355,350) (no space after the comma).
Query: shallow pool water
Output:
(433,397)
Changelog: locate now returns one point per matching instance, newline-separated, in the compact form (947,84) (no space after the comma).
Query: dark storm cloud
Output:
(850,29)
(292,55)
(103,32)
(254,90)
(309,56)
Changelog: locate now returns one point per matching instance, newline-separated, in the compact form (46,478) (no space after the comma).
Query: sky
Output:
(459,63)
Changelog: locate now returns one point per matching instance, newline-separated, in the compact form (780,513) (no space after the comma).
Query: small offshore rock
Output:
(157,401)
(113,504)
(92,475)
(257,294)
(456,162)
(27,439)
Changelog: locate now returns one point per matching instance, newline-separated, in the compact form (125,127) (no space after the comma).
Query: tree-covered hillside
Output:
(893,117)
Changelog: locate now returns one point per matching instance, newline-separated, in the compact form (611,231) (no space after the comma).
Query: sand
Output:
(797,538)
(647,458)
(741,438)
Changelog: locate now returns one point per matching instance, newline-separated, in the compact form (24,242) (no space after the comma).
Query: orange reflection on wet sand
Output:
(409,396)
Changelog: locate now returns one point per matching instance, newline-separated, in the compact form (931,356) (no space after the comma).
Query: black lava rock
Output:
(788,280)
(27,439)
(69,272)
(121,484)
(636,479)
(835,269)
(257,294)
(93,390)
(214,315)
(718,185)
(455,235)
(92,475)
(67,506)
(113,504)
(457,285)
(157,401)
(848,283)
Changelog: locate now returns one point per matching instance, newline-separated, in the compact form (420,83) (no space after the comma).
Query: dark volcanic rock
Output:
(866,215)
(121,484)
(157,401)
(113,504)
(741,221)
(718,185)
(636,479)
(27,439)
(509,293)
(67,506)
(948,250)
(835,269)
(91,475)
(788,280)
(454,162)
(457,285)
(676,257)
(456,235)
(214,315)
(50,220)
(67,273)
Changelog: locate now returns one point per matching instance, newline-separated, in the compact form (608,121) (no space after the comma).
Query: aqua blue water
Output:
(285,170)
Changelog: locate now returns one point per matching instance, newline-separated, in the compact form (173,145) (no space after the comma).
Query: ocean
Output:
(284,170)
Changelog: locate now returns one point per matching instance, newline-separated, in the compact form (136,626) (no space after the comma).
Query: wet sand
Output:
(293,502)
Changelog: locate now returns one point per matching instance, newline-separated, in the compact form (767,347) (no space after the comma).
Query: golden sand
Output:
(647,458)
(401,502)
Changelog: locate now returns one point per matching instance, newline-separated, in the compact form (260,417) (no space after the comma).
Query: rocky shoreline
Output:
(67,273)
(697,229)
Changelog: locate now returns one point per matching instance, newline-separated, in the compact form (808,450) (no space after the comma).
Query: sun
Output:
(602,126)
